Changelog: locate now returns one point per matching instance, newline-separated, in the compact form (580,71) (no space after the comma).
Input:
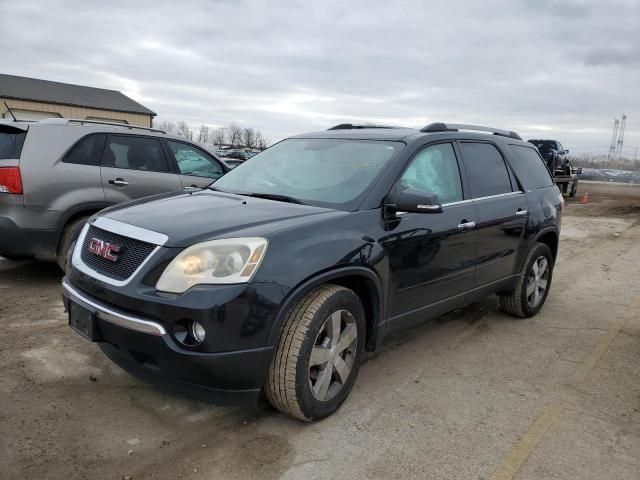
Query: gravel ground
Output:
(475,394)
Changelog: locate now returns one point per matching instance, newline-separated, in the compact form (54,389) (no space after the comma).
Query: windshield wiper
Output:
(274,196)
(268,196)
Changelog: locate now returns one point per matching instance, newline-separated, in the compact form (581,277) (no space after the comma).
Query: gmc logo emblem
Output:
(104,249)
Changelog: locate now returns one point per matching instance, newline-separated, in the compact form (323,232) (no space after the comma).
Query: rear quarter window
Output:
(87,151)
(11,141)
(530,167)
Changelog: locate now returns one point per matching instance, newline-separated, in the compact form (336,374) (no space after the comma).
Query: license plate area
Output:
(83,321)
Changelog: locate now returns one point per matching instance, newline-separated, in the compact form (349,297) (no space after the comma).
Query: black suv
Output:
(280,275)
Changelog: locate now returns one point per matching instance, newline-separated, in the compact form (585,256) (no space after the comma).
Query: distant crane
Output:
(612,147)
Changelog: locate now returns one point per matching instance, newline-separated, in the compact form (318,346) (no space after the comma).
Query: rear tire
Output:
(69,235)
(316,360)
(534,282)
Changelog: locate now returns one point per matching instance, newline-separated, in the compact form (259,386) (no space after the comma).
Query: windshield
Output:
(327,172)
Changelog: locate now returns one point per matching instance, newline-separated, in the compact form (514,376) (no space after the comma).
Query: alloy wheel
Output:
(333,355)
(537,281)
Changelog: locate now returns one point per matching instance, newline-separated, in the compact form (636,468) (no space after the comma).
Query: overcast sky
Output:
(544,68)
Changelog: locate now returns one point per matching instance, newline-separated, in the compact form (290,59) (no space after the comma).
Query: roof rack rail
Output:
(112,124)
(455,127)
(351,126)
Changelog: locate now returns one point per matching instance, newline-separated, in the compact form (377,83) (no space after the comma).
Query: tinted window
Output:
(486,170)
(435,170)
(326,172)
(135,153)
(87,151)
(530,167)
(11,144)
(192,161)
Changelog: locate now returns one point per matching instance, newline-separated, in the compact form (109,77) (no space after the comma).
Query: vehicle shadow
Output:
(32,273)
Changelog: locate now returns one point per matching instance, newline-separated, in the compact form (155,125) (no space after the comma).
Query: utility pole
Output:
(621,135)
(612,147)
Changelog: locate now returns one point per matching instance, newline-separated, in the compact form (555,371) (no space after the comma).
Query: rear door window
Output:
(11,141)
(135,153)
(87,151)
(486,170)
(530,167)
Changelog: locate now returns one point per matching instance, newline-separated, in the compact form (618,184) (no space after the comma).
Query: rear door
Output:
(136,166)
(196,168)
(431,255)
(501,207)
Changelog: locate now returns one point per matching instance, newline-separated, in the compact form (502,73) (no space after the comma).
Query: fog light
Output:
(197,331)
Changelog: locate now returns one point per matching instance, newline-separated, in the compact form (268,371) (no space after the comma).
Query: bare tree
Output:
(262,142)
(219,136)
(184,130)
(234,134)
(249,137)
(167,126)
(203,134)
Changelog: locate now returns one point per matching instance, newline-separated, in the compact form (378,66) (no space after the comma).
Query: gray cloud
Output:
(556,68)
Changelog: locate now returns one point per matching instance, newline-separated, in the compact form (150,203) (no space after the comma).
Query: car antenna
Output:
(9,110)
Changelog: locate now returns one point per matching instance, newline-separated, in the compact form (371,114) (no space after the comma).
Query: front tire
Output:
(533,285)
(317,357)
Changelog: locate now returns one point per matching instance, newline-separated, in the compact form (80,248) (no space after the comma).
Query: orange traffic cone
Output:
(584,199)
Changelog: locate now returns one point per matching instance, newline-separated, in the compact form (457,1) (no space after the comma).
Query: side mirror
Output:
(566,151)
(418,201)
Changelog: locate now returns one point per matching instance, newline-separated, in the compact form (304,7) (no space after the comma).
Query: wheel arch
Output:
(361,280)
(74,213)
(551,238)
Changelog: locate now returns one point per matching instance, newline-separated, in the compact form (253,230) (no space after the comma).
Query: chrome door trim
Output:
(469,200)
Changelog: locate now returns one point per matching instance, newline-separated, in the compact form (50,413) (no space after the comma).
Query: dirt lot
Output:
(475,394)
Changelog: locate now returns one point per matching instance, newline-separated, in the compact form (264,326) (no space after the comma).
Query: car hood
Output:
(206,215)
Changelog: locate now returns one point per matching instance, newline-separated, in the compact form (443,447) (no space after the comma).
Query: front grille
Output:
(131,254)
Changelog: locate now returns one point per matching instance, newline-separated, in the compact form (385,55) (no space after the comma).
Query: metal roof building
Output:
(33,99)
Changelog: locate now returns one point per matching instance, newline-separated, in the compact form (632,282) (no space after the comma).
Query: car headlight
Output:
(232,260)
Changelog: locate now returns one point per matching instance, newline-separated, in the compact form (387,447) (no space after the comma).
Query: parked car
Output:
(282,274)
(232,163)
(239,155)
(54,174)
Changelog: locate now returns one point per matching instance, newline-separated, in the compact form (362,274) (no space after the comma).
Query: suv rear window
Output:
(11,141)
(530,167)
(486,170)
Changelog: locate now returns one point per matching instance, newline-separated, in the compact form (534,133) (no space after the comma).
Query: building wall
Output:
(70,111)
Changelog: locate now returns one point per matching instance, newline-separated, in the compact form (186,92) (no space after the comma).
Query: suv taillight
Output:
(10,180)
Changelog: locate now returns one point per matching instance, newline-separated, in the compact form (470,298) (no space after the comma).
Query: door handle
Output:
(192,188)
(119,182)
(466,226)
(522,213)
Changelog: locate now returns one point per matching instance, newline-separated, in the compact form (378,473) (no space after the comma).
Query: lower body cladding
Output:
(154,350)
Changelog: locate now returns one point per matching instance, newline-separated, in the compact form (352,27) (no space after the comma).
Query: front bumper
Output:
(145,348)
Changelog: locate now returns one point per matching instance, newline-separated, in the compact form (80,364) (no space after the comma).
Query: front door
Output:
(134,167)
(502,211)
(431,255)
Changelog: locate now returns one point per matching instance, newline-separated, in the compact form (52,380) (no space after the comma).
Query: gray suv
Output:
(55,173)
